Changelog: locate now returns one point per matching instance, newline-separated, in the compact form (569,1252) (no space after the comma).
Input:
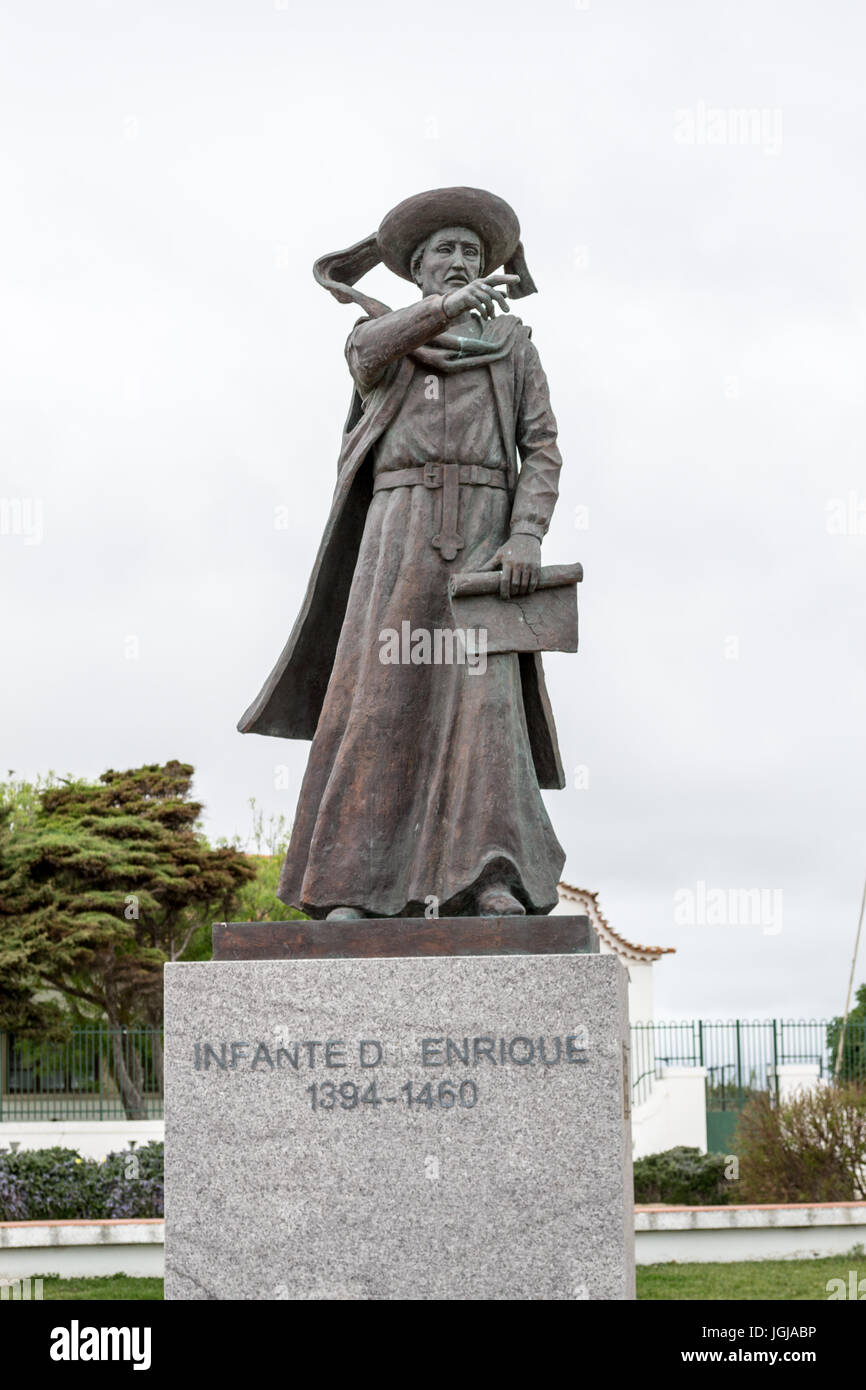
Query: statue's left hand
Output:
(520,561)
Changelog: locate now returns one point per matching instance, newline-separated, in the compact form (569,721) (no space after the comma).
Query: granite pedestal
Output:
(443,1127)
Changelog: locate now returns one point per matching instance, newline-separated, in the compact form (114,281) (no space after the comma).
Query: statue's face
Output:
(452,257)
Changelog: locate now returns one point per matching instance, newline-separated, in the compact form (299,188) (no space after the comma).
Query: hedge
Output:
(682,1177)
(59,1185)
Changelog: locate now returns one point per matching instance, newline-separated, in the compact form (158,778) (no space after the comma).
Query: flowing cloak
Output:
(290,702)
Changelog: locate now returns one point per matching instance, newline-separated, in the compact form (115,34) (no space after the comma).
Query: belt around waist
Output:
(432,475)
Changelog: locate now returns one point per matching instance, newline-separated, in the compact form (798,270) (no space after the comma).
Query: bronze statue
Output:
(422,785)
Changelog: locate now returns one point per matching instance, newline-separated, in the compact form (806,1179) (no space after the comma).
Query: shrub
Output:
(58,1184)
(681,1177)
(13,1198)
(132,1183)
(811,1148)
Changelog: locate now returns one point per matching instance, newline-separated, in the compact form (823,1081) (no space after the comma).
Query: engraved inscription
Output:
(522,1050)
(327,1095)
(377,1063)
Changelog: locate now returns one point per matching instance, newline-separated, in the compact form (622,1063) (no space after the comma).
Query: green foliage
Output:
(54,1184)
(811,1148)
(20,800)
(681,1177)
(104,1287)
(727,1095)
(101,884)
(853,1068)
(59,1185)
(149,1162)
(748,1280)
(257,899)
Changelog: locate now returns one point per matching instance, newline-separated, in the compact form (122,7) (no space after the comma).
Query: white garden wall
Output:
(793,1078)
(81,1249)
(675,1113)
(90,1138)
(778,1232)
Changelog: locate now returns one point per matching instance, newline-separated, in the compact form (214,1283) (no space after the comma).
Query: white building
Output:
(638,960)
(668,1102)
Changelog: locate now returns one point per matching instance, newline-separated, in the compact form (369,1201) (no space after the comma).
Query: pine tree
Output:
(100,885)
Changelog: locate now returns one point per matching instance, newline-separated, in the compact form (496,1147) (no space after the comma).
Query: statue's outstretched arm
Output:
(374,343)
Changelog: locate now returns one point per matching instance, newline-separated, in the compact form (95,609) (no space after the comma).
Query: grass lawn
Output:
(113,1286)
(751,1280)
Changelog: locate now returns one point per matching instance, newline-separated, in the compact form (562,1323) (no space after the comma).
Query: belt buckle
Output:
(432,475)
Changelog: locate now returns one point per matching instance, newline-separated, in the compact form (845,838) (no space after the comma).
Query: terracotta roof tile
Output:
(614,939)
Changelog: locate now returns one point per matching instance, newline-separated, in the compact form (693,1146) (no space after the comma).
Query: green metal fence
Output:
(96,1073)
(101,1073)
(742,1056)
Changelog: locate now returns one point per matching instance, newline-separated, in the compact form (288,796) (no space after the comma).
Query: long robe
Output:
(423,780)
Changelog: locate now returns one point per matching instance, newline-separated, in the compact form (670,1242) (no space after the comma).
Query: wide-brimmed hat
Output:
(408,224)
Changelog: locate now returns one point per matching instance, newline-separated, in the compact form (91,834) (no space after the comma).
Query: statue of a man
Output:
(423,779)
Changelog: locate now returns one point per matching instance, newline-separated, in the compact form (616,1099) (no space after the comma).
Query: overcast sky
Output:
(172,377)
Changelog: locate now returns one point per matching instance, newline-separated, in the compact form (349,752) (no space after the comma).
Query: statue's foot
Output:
(496,901)
(344,914)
